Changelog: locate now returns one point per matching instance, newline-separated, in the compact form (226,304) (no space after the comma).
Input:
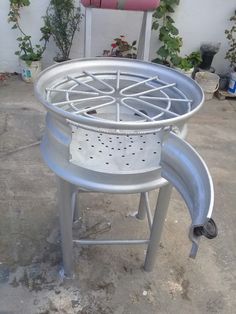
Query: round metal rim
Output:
(91,122)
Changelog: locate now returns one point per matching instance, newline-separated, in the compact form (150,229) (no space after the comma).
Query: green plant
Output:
(121,48)
(63,20)
(188,62)
(168,33)
(231,36)
(27,51)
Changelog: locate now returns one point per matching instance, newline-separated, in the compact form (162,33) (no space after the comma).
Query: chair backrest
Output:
(132,5)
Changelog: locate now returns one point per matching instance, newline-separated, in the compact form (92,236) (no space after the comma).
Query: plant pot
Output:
(58,61)
(207,58)
(209,82)
(232,83)
(188,73)
(30,72)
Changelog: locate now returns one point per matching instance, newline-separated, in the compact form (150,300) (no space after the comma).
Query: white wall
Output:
(197,21)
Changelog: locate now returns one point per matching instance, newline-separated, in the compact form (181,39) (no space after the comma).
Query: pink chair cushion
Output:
(133,5)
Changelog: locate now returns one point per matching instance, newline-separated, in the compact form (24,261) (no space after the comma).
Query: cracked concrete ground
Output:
(110,280)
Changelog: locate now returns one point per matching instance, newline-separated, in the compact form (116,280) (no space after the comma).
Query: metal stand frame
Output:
(144,39)
(68,210)
(68,193)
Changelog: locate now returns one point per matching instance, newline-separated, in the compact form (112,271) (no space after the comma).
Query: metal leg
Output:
(88,33)
(145,37)
(157,226)
(75,204)
(142,210)
(65,205)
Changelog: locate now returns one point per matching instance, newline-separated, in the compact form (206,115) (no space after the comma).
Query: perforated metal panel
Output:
(109,153)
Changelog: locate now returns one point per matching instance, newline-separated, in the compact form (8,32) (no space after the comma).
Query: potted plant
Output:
(168,33)
(208,51)
(231,54)
(63,20)
(188,63)
(121,48)
(29,55)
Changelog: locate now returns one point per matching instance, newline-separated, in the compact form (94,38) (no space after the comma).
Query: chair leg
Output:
(88,33)
(65,206)
(157,225)
(142,210)
(75,204)
(145,37)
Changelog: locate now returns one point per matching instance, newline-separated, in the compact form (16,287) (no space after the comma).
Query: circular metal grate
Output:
(119,93)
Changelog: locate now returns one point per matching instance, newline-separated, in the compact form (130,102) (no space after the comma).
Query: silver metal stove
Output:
(117,125)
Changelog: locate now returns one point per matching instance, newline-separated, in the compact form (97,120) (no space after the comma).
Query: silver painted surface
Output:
(166,96)
(110,128)
(186,170)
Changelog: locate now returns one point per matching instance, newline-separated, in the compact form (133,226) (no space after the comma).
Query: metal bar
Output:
(158,108)
(88,33)
(100,81)
(65,206)
(71,91)
(150,90)
(138,84)
(147,35)
(136,111)
(141,38)
(118,80)
(148,209)
(95,107)
(110,242)
(163,98)
(117,112)
(88,86)
(79,100)
(76,207)
(180,92)
(141,210)
(157,226)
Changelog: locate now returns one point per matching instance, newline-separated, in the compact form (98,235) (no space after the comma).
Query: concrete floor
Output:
(110,280)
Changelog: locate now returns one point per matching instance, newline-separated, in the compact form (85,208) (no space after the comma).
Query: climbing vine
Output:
(168,33)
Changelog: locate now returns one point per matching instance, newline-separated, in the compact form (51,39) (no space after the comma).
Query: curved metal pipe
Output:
(188,173)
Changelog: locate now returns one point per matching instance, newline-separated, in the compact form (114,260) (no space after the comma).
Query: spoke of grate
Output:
(71,91)
(181,93)
(95,78)
(150,90)
(117,112)
(163,98)
(147,91)
(95,107)
(135,110)
(118,80)
(67,102)
(137,84)
(87,85)
(166,108)
(171,113)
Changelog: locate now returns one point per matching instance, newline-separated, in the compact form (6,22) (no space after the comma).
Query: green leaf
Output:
(155,25)
(174,31)
(14,26)
(170,9)
(163,52)
(169,19)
